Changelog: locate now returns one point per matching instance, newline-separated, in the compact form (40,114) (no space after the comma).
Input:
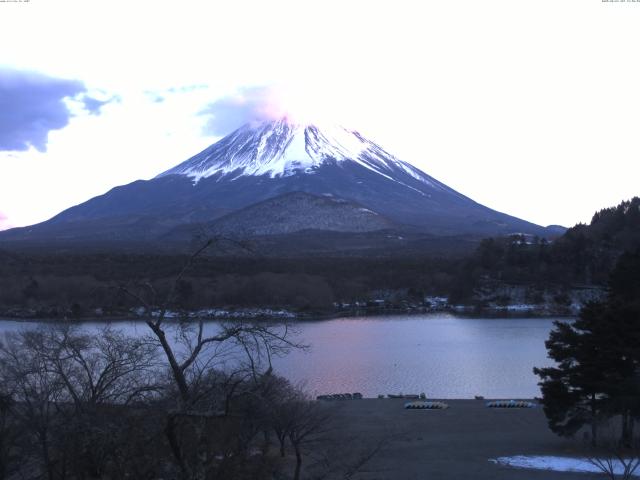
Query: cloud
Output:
(31,105)
(160,96)
(247,105)
(155,97)
(94,105)
(188,88)
(301,102)
(3,222)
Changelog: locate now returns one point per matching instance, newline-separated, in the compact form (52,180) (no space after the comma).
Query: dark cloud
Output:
(31,105)
(230,112)
(94,105)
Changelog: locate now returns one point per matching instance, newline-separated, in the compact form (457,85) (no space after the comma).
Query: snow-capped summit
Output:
(282,148)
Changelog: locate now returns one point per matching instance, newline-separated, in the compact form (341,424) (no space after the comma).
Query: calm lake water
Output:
(442,355)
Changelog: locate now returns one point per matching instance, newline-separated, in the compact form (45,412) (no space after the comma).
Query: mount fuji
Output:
(275,178)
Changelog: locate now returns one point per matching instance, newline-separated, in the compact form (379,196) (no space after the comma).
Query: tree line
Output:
(54,286)
(583,255)
(75,285)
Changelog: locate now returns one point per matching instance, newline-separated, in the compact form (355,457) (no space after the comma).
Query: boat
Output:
(510,404)
(422,405)
(407,396)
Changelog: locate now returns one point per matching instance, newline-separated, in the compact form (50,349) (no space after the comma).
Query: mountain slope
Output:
(261,161)
(297,211)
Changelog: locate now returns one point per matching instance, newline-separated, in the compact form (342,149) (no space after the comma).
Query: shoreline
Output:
(483,401)
(290,316)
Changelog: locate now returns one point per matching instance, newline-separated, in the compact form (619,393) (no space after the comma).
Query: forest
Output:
(88,285)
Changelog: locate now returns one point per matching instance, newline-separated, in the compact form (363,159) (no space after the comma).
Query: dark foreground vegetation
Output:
(178,404)
(501,271)
(596,381)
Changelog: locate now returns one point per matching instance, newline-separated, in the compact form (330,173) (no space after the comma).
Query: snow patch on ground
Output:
(221,313)
(556,464)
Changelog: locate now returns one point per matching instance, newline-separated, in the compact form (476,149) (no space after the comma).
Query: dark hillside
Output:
(584,255)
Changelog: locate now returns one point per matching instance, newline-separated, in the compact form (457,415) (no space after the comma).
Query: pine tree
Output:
(597,375)
(624,312)
(573,392)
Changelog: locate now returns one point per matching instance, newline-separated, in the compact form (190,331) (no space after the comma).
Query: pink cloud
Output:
(246,105)
(259,103)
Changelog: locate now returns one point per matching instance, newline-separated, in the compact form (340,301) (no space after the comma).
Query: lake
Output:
(442,355)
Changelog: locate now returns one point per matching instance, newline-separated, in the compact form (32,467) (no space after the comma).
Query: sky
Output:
(528,107)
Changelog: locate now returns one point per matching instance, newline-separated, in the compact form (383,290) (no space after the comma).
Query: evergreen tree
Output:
(597,375)
(624,312)
(573,392)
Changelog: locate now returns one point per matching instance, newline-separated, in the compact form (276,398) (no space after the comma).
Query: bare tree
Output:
(108,368)
(616,458)
(9,434)
(307,421)
(37,393)
(193,352)
(66,385)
